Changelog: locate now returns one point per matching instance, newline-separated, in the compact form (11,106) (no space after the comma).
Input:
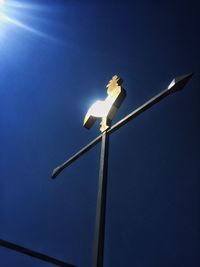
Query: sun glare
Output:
(2,2)
(18,14)
(2,10)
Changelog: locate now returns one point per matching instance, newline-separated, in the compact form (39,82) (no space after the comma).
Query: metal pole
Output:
(176,85)
(101,204)
(33,254)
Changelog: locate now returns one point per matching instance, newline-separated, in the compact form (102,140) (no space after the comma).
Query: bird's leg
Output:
(105,124)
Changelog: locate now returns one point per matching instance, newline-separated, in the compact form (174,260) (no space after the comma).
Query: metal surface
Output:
(60,168)
(33,254)
(107,109)
(101,204)
(176,84)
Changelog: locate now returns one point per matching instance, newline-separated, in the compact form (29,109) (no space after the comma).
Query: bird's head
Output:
(113,84)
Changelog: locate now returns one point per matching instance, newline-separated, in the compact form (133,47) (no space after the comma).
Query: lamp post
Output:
(106,110)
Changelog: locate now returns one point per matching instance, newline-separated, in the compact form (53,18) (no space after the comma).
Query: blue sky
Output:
(56,57)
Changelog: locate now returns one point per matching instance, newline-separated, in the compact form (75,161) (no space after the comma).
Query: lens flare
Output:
(21,15)
(2,2)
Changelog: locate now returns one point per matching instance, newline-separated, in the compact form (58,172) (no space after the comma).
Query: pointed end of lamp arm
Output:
(178,83)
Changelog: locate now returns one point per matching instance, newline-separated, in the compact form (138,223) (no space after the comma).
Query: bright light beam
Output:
(2,4)
(23,26)
(8,16)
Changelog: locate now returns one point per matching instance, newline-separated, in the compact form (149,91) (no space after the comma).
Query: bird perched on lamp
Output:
(106,110)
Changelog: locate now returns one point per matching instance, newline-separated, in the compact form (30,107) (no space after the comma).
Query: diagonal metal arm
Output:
(60,168)
(176,85)
(34,254)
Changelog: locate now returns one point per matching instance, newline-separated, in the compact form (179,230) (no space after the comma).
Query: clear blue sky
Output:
(56,58)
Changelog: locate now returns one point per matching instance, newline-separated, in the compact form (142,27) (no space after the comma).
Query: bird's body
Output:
(106,109)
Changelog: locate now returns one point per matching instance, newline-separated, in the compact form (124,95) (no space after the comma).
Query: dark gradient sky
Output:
(49,77)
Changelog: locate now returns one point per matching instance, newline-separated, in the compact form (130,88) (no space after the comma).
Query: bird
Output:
(106,109)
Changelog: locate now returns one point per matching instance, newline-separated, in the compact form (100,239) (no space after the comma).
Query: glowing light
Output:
(100,108)
(19,14)
(2,2)
(2,6)
(106,109)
